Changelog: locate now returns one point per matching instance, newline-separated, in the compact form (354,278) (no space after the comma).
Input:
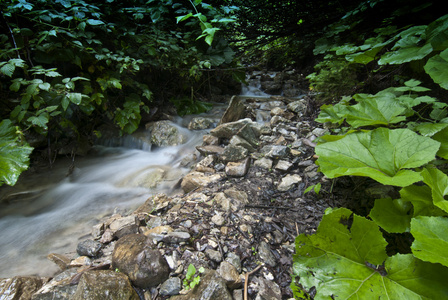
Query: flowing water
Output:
(50,212)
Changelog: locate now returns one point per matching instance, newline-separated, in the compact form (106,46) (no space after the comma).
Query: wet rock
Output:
(97,231)
(275,151)
(19,287)
(233,153)
(58,288)
(288,182)
(250,132)
(264,163)
(211,287)
(210,140)
(229,273)
(60,260)
(89,248)
(213,255)
(237,195)
(283,165)
(81,261)
(166,133)
(171,287)
(176,237)
(218,219)
(238,169)
(235,260)
(228,130)
(264,250)
(199,123)
(277,111)
(267,289)
(144,266)
(210,149)
(235,111)
(239,141)
(298,107)
(105,284)
(194,180)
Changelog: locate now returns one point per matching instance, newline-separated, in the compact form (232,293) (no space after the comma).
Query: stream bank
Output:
(239,210)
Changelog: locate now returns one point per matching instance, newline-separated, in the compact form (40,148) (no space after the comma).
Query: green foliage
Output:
(397,137)
(346,258)
(74,65)
(14,153)
(191,278)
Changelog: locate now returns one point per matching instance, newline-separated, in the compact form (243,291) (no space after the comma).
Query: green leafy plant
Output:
(397,138)
(315,187)
(191,278)
(14,153)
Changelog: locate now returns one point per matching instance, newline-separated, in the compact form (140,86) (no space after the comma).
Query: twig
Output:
(246,279)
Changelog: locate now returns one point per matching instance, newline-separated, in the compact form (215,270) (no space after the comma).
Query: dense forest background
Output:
(378,69)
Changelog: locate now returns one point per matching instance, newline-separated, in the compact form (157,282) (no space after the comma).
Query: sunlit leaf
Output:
(431,239)
(381,154)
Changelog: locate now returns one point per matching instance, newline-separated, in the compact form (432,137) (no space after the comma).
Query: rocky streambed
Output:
(240,209)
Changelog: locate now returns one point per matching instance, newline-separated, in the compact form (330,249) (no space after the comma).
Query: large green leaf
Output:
(14,155)
(438,182)
(431,239)
(381,154)
(421,199)
(344,262)
(442,137)
(380,109)
(392,215)
(437,68)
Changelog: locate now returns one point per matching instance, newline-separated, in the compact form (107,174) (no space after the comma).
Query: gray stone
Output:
(218,220)
(166,133)
(19,287)
(120,223)
(97,231)
(228,130)
(275,151)
(89,248)
(267,290)
(214,255)
(144,266)
(105,284)
(235,260)
(199,123)
(288,182)
(176,237)
(211,287)
(171,287)
(283,165)
(210,149)
(319,132)
(195,180)
(239,141)
(238,169)
(298,107)
(264,250)
(233,153)
(60,260)
(264,163)
(230,274)
(58,288)
(235,111)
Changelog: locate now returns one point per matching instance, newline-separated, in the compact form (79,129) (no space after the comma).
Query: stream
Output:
(51,213)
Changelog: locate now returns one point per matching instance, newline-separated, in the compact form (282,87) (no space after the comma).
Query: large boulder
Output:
(166,133)
(144,266)
(106,284)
